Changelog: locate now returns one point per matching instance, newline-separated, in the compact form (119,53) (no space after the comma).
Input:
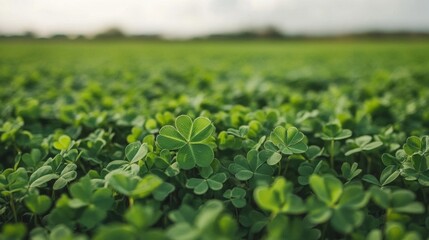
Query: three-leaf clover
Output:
(388,175)
(418,169)
(208,223)
(254,220)
(236,196)
(290,141)
(283,227)
(141,216)
(279,198)
(92,151)
(67,175)
(362,144)
(134,152)
(133,186)
(350,171)
(400,200)
(417,145)
(188,137)
(32,159)
(333,132)
(63,143)
(339,204)
(306,169)
(251,167)
(95,202)
(397,160)
(209,180)
(38,204)
(12,182)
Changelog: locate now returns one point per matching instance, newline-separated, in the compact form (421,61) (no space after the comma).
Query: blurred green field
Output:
(309,57)
(143,77)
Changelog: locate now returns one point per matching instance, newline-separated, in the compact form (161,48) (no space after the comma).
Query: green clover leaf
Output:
(207,223)
(134,186)
(141,216)
(94,201)
(279,198)
(400,200)
(282,227)
(307,169)
(33,158)
(63,143)
(362,144)
(418,169)
(38,204)
(251,167)
(67,175)
(332,201)
(13,181)
(290,141)
(350,171)
(161,192)
(388,175)
(236,196)
(254,220)
(188,137)
(41,176)
(328,188)
(136,151)
(417,145)
(334,132)
(201,185)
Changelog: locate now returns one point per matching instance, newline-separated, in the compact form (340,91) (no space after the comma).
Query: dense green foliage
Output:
(211,140)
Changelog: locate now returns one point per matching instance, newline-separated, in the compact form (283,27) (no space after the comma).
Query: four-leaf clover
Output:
(188,137)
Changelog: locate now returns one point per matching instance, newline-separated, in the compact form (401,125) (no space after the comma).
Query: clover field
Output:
(214,140)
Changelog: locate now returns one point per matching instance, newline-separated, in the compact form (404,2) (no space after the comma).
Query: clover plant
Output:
(232,140)
(188,137)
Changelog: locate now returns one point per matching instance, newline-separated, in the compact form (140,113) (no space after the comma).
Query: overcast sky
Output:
(182,18)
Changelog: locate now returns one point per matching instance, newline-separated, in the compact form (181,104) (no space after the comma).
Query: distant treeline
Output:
(265,33)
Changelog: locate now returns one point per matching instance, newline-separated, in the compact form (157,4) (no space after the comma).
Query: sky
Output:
(189,18)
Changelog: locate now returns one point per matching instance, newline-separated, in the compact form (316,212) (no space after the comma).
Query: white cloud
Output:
(196,17)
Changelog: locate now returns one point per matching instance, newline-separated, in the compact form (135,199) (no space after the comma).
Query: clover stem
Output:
(131,201)
(17,148)
(82,166)
(17,162)
(368,167)
(147,166)
(280,167)
(12,206)
(180,182)
(332,153)
(325,227)
(388,213)
(424,195)
(286,167)
(165,220)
